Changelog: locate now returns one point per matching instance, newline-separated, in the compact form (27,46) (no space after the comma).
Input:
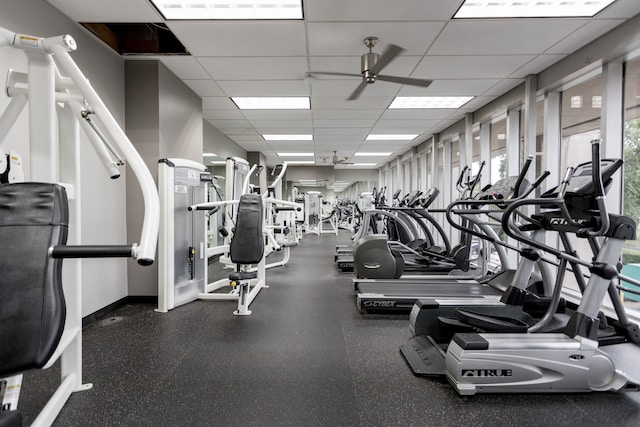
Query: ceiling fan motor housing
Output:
(367,61)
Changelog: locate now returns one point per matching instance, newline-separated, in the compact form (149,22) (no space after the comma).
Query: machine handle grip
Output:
(598,188)
(461,177)
(523,174)
(476,180)
(541,178)
(93,251)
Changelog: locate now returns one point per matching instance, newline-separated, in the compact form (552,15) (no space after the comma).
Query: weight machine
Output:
(246,291)
(61,100)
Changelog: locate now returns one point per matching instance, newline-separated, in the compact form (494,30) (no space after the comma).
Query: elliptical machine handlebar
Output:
(459,185)
(475,181)
(498,202)
(559,202)
(521,177)
(598,190)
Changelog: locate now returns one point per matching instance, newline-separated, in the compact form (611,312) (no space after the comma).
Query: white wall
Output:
(102,200)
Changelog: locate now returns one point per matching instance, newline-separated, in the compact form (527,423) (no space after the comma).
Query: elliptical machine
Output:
(554,362)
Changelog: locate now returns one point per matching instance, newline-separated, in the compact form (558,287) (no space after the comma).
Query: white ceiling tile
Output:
(352,123)
(265,88)
(230,123)
(242,38)
(354,114)
(340,102)
(283,146)
(469,66)
(582,36)
(417,114)
(403,126)
(502,37)
(503,87)
(108,11)
(379,10)
(222,115)
(332,134)
(475,103)
(622,9)
(281,126)
(450,88)
(337,38)
(277,114)
(343,88)
(244,139)
(204,87)
(401,65)
(185,67)
(264,68)
(217,103)
(535,66)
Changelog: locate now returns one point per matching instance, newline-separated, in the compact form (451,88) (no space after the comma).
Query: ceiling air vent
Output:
(138,39)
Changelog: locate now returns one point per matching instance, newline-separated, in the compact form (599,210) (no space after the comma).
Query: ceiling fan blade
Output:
(387,56)
(405,80)
(356,93)
(332,73)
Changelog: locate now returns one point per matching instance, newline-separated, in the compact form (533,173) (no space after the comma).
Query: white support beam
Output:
(612,126)
(485,153)
(530,117)
(513,142)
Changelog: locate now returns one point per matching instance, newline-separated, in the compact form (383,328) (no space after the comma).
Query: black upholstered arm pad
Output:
(33,217)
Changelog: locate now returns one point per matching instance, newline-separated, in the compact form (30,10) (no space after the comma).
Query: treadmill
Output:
(401,294)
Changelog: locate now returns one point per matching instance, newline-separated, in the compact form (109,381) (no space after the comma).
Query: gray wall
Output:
(102,200)
(164,120)
(219,143)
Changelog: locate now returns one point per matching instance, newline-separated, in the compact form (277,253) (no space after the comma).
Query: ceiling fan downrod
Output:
(369,60)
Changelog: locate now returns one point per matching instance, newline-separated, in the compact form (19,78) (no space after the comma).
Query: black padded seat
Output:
(237,276)
(33,218)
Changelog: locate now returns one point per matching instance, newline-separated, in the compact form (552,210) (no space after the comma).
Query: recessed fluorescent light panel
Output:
(372,154)
(295,154)
(530,8)
(362,164)
(209,155)
(229,9)
(429,101)
(288,137)
(380,137)
(272,103)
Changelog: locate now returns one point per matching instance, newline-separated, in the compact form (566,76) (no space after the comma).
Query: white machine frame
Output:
(61,100)
(243,294)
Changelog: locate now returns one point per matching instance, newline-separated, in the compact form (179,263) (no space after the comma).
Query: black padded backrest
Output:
(247,244)
(33,217)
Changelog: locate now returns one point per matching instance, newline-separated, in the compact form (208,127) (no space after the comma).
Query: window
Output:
(581,114)
(631,174)
(498,149)
(580,123)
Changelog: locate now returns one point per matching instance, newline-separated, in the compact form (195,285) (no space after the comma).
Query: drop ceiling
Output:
(482,58)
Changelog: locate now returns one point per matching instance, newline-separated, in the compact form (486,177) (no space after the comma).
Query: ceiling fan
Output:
(372,64)
(337,161)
